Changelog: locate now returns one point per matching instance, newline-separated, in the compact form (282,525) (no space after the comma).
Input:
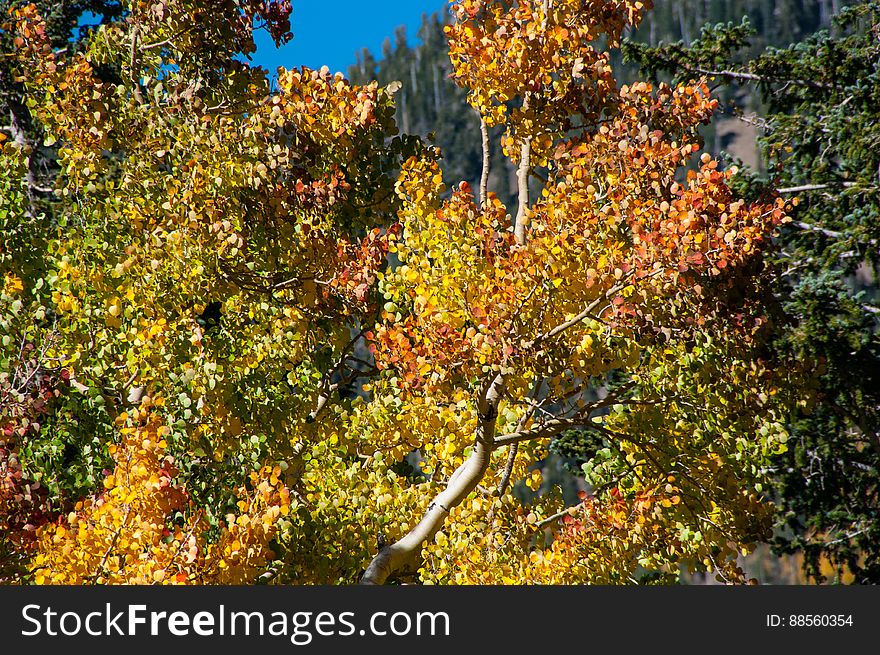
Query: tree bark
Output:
(484,178)
(519,227)
(403,555)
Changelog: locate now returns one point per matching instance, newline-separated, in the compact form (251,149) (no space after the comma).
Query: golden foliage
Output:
(126,534)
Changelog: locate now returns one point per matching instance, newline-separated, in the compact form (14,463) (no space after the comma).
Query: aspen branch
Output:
(169,40)
(588,310)
(182,543)
(153,46)
(514,448)
(42,189)
(326,389)
(554,426)
(568,511)
(103,563)
(403,555)
(508,468)
(484,178)
(544,430)
(519,228)
(562,327)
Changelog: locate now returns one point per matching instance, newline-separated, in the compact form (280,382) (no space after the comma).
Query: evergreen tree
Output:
(819,141)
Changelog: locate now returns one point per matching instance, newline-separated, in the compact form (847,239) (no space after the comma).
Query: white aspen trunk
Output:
(403,555)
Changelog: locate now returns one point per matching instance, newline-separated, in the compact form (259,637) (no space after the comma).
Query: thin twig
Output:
(568,511)
(116,535)
(815,187)
(751,77)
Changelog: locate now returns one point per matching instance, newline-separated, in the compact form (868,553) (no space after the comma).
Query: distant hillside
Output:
(430,105)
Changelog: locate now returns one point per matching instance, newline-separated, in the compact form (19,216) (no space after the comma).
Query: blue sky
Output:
(330,32)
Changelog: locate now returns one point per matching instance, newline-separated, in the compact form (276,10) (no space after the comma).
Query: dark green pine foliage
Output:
(776,22)
(773,23)
(820,140)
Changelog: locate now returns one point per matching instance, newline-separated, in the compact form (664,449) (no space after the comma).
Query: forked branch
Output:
(403,555)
